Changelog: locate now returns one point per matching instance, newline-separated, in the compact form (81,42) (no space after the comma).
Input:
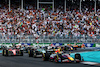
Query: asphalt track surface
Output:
(25,61)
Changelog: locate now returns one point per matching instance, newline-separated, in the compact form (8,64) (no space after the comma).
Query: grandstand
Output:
(49,21)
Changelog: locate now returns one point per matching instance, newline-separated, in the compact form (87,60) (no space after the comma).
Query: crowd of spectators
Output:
(45,22)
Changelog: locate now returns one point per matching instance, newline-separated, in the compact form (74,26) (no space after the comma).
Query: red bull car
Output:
(64,57)
(61,57)
(12,51)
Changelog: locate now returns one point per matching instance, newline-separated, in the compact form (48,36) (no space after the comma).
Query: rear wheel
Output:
(45,56)
(30,53)
(21,53)
(7,53)
(3,53)
(34,55)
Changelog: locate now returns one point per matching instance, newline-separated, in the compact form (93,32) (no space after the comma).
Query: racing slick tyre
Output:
(78,56)
(3,53)
(21,53)
(30,53)
(34,54)
(45,56)
(7,53)
(26,50)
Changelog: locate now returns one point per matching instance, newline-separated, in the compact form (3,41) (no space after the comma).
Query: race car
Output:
(67,48)
(35,52)
(66,58)
(26,48)
(46,54)
(38,51)
(60,56)
(12,51)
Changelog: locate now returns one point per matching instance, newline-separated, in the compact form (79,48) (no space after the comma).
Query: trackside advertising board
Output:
(98,45)
(57,44)
(89,44)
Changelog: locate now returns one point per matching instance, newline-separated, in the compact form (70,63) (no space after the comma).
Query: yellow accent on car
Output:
(71,48)
(71,59)
(43,55)
(57,57)
(19,52)
(28,51)
(4,51)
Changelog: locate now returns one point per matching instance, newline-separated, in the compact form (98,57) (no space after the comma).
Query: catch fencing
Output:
(50,39)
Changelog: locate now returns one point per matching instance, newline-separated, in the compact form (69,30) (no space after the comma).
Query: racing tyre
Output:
(45,56)
(7,53)
(34,55)
(26,50)
(78,56)
(30,53)
(3,53)
(21,53)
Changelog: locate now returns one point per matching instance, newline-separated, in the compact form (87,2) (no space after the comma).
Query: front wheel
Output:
(34,55)
(43,57)
(30,53)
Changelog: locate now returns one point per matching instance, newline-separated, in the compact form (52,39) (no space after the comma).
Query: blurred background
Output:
(49,21)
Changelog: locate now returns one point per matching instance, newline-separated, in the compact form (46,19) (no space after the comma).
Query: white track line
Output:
(90,63)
